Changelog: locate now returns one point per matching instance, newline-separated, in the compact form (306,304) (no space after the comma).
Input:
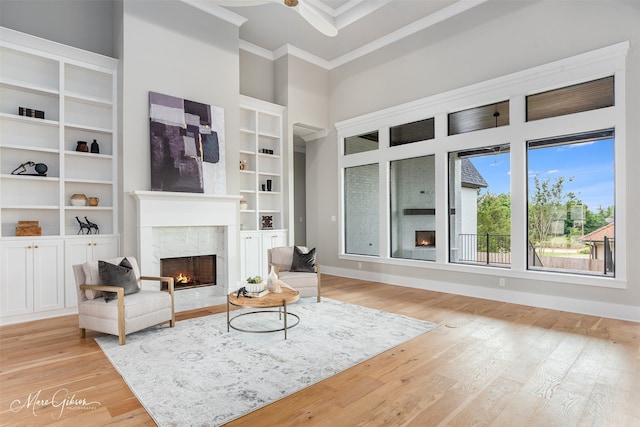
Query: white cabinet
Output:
(32,276)
(76,90)
(261,178)
(253,248)
(251,254)
(81,250)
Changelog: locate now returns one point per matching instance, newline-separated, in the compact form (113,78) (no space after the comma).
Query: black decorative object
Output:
(87,227)
(267,222)
(82,147)
(269,185)
(39,168)
(95,148)
(30,112)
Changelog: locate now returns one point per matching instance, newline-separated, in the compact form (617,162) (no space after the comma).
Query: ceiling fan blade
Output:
(316,19)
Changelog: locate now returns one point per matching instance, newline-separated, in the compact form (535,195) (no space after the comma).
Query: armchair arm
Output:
(120,296)
(169,280)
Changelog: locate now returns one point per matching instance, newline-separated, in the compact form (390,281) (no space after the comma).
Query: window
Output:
(571,99)
(524,187)
(408,133)
(480,206)
(361,143)
(571,211)
(361,211)
(485,117)
(412,187)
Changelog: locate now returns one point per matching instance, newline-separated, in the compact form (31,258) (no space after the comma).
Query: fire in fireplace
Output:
(425,238)
(190,271)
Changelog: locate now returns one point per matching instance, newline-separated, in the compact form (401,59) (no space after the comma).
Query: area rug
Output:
(198,374)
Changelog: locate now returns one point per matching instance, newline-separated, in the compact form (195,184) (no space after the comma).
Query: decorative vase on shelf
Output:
(269,184)
(243,205)
(78,200)
(93,201)
(82,146)
(95,148)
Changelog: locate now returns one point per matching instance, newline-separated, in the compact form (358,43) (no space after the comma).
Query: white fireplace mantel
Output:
(171,209)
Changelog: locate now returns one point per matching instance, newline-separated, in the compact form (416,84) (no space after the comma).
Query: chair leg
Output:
(121,339)
(83,333)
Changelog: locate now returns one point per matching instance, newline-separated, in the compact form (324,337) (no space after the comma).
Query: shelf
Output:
(28,177)
(269,135)
(269,156)
(88,181)
(269,174)
(247,152)
(33,207)
(77,92)
(36,149)
(247,210)
(248,131)
(30,120)
(100,102)
(89,128)
(41,90)
(271,211)
(88,155)
(270,192)
(88,208)
(248,191)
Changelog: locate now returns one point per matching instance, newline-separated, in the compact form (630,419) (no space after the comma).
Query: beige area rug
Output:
(198,374)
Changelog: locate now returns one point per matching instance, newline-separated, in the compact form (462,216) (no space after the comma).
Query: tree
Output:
(494,218)
(547,209)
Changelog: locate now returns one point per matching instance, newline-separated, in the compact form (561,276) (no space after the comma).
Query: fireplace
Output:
(425,238)
(189,271)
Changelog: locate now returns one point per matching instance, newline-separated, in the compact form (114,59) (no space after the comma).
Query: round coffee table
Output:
(270,300)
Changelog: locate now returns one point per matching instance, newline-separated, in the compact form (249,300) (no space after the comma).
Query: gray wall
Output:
(256,77)
(299,199)
(488,41)
(86,25)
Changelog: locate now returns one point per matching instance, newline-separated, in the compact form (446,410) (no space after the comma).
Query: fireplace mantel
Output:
(164,208)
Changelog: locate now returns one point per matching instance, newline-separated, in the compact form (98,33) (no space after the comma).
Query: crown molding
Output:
(289,49)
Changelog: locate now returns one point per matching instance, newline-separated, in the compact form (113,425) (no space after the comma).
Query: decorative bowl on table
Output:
(254,284)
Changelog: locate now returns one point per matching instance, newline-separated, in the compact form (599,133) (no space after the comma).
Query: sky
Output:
(591,164)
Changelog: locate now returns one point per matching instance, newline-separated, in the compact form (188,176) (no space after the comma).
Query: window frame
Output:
(515,87)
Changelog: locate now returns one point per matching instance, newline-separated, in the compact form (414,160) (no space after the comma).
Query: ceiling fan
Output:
(315,17)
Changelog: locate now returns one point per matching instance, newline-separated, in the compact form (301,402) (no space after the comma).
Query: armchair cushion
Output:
(92,276)
(118,275)
(304,262)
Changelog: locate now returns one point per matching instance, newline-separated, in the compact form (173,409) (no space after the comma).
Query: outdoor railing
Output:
(484,248)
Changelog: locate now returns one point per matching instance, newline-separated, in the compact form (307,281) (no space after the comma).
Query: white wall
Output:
(256,76)
(172,48)
(491,40)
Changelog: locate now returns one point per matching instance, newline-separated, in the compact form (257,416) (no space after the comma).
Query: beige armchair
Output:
(130,313)
(307,282)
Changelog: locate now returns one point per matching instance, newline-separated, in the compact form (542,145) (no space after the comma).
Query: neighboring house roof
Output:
(470,176)
(599,234)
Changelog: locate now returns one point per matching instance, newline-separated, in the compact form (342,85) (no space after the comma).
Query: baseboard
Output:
(592,308)
(21,318)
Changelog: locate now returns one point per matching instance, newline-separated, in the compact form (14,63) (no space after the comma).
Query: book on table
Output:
(257,294)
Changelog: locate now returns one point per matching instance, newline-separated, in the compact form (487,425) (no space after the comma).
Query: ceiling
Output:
(363,25)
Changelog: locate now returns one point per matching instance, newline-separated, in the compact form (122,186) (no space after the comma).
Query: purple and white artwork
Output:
(187,145)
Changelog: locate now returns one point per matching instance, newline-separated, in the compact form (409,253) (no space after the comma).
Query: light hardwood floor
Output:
(488,363)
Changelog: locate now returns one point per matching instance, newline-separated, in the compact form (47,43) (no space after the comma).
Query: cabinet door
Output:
(271,239)
(17,278)
(251,253)
(48,275)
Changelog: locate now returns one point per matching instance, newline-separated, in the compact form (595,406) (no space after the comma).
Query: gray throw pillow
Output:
(118,275)
(304,262)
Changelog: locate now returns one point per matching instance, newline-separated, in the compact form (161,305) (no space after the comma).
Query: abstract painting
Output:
(187,145)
